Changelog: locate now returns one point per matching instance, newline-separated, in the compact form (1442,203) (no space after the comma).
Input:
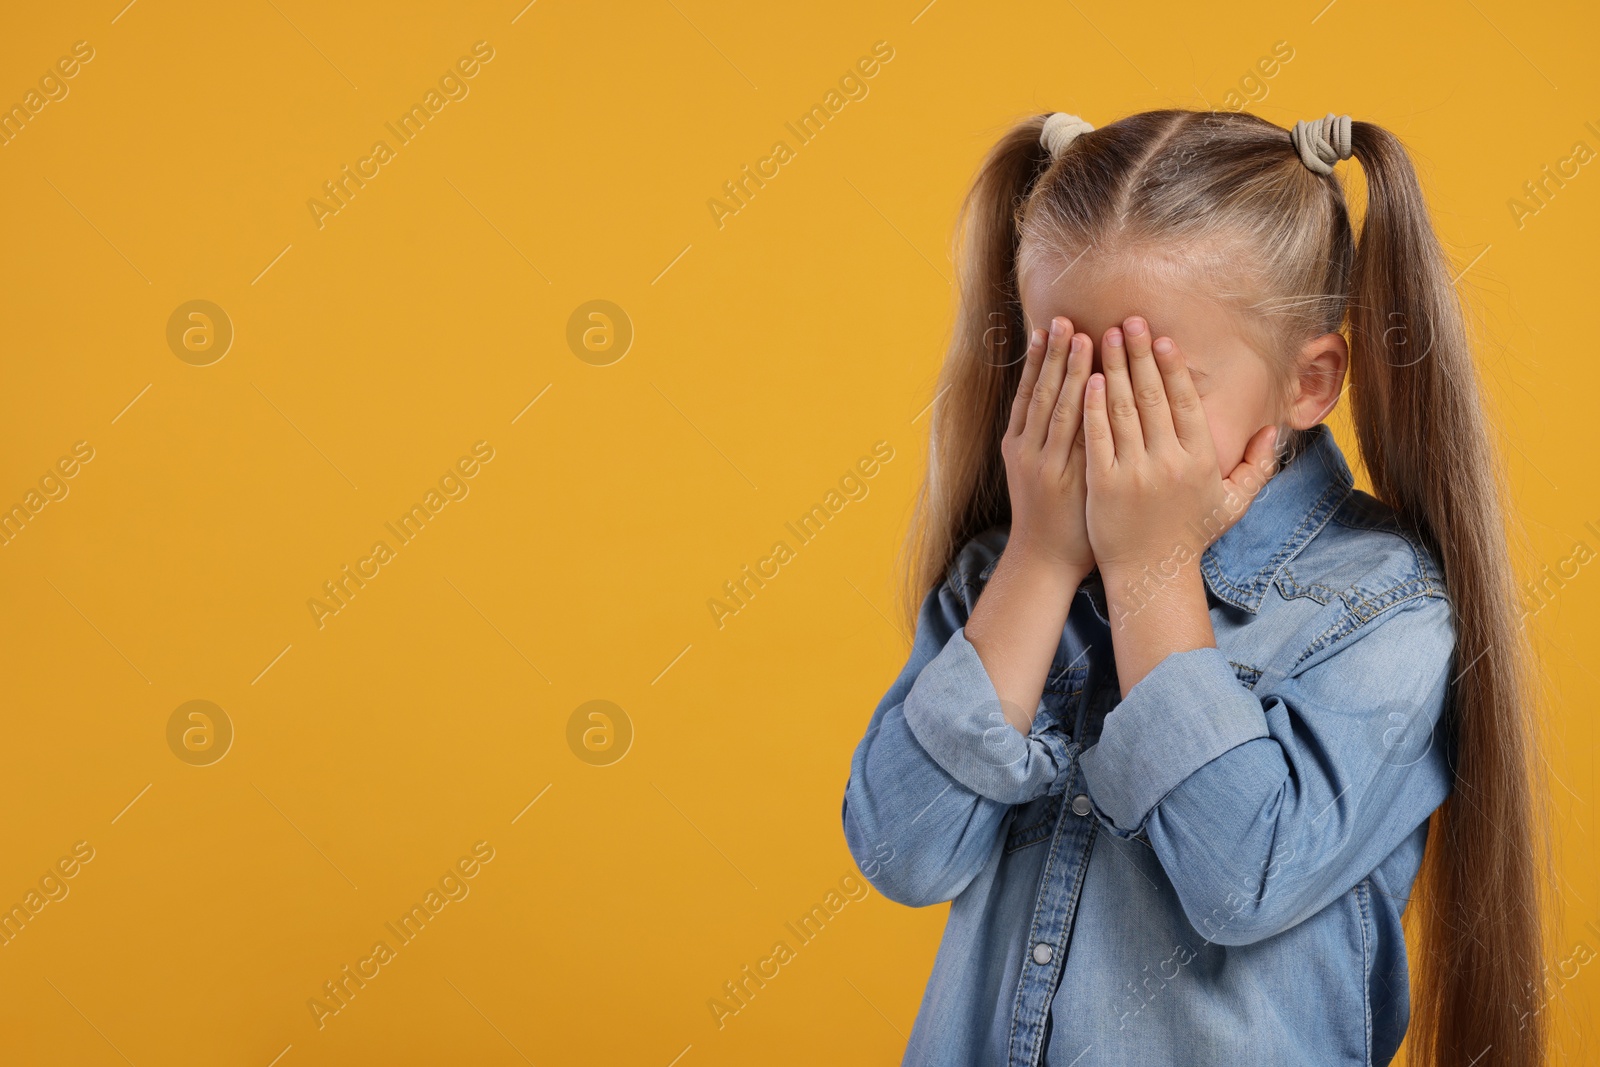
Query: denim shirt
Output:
(1211,870)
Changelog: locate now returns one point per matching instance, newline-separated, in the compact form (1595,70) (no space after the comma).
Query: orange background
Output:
(768,354)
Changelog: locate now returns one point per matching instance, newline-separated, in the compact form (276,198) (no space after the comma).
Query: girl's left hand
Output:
(1153,486)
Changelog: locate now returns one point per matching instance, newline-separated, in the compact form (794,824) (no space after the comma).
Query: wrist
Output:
(1041,569)
(1155,612)
(1131,585)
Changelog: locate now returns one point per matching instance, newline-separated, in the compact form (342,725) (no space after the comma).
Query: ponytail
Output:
(981,370)
(1425,442)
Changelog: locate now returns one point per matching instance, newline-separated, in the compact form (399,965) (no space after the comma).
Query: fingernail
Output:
(1162,346)
(1114,337)
(1038,337)
(1135,326)
(1055,327)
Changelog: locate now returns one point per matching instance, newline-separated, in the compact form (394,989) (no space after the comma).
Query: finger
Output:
(1030,375)
(1048,386)
(1188,415)
(1120,406)
(1149,390)
(1080,445)
(1099,446)
(1256,467)
(1068,414)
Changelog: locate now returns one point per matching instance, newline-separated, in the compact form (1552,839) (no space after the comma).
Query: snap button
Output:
(1042,953)
(1080,804)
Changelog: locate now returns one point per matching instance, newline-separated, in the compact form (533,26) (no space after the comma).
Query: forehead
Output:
(1097,292)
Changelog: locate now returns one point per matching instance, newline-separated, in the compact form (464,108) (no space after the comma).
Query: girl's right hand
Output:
(1045,454)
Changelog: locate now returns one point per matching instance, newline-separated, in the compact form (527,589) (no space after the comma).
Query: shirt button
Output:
(1080,804)
(1042,953)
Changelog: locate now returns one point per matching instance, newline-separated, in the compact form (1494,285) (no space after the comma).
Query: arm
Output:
(1152,620)
(939,767)
(950,747)
(1156,497)
(1016,627)
(1263,809)
(1017,623)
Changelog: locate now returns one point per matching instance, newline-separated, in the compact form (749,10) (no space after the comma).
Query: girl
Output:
(1182,702)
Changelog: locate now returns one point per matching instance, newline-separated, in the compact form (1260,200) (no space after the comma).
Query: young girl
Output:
(1181,701)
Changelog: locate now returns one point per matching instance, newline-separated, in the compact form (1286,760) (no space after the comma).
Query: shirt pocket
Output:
(1033,822)
(1058,704)
(1248,676)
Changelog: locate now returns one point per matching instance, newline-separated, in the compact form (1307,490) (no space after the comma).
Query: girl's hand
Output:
(1044,451)
(1154,489)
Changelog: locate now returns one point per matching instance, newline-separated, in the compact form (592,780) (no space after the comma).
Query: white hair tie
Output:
(1060,130)
(1322,142)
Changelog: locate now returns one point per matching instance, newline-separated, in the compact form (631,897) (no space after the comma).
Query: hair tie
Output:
(1060,130)
(1322,142)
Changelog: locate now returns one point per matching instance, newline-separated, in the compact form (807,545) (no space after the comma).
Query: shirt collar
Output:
(1296,503)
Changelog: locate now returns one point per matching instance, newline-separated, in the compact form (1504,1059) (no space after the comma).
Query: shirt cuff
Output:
(954,713)
(1190,709)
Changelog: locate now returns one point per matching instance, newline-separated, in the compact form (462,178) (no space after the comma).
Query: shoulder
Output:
(1367,565)
(1366,557)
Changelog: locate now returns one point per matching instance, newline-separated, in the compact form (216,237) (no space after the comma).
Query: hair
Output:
(1229,193)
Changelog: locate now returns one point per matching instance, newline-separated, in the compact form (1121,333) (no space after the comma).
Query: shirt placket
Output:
(1060,886)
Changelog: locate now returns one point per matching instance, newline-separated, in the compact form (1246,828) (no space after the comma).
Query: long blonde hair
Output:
(1218,181)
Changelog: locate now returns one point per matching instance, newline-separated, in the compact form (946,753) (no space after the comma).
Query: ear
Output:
(1322,364)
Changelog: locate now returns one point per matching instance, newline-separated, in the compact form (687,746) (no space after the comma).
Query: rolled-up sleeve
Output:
(955,714)
(1186,712)
(1263,807)
(933,779)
